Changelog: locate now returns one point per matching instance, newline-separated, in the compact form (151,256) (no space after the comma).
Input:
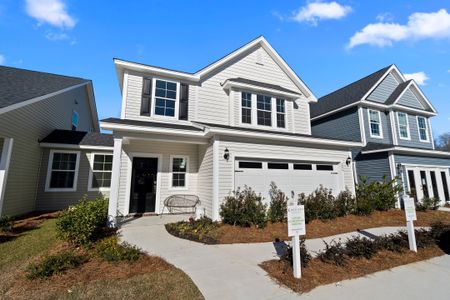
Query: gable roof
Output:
(397,92)
(80,138)
(347,95)
(200,74)
(18,85)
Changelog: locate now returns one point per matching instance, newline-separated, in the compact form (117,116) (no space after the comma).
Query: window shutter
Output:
(184,101)
(146,97)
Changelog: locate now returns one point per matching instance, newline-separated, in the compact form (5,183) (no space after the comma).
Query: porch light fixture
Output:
(348,161)
(399,166)
(226,154)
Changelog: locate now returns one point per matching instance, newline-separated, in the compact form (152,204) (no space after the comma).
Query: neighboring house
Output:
(32,105)
(242,120)
(391,117)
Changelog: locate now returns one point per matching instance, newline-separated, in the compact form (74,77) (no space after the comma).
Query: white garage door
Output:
(291,177)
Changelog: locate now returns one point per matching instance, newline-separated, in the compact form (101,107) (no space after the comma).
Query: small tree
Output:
(278,204)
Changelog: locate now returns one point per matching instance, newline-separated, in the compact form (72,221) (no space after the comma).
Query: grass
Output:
(320,273)
(228,234)
(34,238)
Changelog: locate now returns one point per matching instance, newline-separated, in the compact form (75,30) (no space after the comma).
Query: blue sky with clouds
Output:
(328,43)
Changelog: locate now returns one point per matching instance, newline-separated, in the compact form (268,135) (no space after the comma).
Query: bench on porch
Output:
(181,202)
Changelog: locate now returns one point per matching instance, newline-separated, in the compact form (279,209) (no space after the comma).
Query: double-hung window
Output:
(281,111)
(403,125)
(165,98)
(74,120)
(246,103)
(375,123)
(179,168)
(423,129)
(264,110)
(100,177)
(62,171)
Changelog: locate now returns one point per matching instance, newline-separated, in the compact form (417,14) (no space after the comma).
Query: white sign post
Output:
(410,212)
(296,227)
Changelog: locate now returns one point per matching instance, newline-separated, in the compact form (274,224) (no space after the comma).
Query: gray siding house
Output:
(391,117)
(32,106)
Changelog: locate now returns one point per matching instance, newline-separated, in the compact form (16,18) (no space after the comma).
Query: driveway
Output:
(232,271)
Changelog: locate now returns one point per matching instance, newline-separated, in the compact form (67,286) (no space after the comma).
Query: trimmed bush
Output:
(6,223)
(345,203)
(318,205)
(278,204)
(82,224)
(54,264)
(110,250)
(244,208)
(334,253)
(392,242)
(201,230)
(305,256)
(428,204)
(361,247)
(376,195)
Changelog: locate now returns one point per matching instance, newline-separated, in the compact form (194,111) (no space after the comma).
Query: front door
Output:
(143,184)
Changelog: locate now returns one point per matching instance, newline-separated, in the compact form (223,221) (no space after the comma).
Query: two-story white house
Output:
(242,120)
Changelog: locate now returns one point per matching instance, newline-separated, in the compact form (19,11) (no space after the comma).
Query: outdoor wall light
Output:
(226,154)
(399,166)
(348,161)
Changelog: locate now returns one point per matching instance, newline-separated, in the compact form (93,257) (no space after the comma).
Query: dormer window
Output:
(423,129)
(375,124)
(264,110)
(165,98)
(403,125)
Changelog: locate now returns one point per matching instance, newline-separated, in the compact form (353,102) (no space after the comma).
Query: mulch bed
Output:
(228,234)
(319,273)
(26,223)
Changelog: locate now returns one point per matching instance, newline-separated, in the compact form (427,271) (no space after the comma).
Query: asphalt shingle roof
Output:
(18,85)
(81,138)
(347,95)
(262,84)
(400,88)
(151,124)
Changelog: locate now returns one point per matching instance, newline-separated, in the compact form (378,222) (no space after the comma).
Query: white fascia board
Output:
(413,110)
(37,99)
(279,137)
(158,130)
(70,146)
(378,82)
(409,150)
(93,105)
(246,86)
(424,97)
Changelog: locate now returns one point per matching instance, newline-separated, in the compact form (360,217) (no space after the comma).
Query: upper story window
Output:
(74,120)
(165,98)
(246,108)
(403,125)
(423,129)
(375,123)
(281,111)
(264,110)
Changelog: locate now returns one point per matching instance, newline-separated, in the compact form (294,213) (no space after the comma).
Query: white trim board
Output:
(91,172)
(409,151)
(71,146)
(50,168)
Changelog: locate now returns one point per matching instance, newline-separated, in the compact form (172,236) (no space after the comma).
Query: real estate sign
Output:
(296,220)
(410,209)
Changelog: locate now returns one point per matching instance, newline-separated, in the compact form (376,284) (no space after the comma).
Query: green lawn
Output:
(164,282)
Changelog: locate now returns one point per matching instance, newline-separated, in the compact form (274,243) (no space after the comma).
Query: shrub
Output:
(110,250)
(318,205)
(53,265)
(244,208)
(334,253)
(392,242)
(428,204)
(361,247)
(441,234)
(83,223)
(6,223)
(345,203)
(278,204)
(305,256)
(198,230)
(376,195)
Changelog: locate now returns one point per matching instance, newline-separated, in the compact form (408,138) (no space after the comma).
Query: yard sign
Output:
(296,227)
(410,213)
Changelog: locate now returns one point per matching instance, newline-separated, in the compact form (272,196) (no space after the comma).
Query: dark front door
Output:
(423,181)
(143,185)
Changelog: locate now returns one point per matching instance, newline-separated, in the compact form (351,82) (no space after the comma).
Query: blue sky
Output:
(328,43)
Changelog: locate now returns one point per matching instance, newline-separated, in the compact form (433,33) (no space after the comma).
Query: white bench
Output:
(180,202)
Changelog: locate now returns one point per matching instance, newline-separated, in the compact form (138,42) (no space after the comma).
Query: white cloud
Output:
(318,10)
(448,71)
(420,77)
(59,36)
(53,12)
(420,26)
(385,17)
(2,59)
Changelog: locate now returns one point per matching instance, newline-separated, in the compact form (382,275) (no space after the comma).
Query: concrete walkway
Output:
(232,271)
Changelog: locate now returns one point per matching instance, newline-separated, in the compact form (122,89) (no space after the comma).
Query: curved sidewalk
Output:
(232,271)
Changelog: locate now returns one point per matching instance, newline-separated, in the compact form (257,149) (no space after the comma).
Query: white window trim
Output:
(254,112)
(280,113)
(426,129)
(49,172)
(186,180)
(91,172)
(242,107)
(153,104)
(380,124)
(408,138)
(78,119)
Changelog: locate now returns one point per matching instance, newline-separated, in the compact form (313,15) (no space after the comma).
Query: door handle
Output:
(238,171)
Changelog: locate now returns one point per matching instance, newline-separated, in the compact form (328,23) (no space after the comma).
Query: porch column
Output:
(5,159)
(115,178)
(215,190)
